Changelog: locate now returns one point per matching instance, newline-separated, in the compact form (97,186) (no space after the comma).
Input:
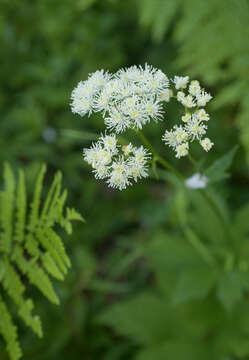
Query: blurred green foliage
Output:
(138,288)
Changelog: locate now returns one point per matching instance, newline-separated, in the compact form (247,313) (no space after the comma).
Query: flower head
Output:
(181,82)
(206,144)
(196,181)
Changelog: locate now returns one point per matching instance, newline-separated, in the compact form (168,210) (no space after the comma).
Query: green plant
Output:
(195,304)
(209,47)
(31,249)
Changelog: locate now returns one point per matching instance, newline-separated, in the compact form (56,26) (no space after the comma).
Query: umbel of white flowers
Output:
(129,99)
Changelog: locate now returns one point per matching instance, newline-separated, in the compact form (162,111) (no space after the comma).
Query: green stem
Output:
(193,161)
(199,246)
(157,157)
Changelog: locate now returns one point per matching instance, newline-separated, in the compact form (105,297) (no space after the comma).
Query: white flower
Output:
(186,117)
(202,115)
(117,121)
(182,150)
(104,157)
(196,181)
(127,149)
(180,96)
(119,176)
(206,144)
(136,170)
(81,100)
(83,95)
(188,101)
(180,134)
(98,79)
(109,142)
(141,155)
(195,128)
(169,138)
(165,95)
(181,82)
(153,109)
(203,98)
(101,172)
(91,155)
(194,88)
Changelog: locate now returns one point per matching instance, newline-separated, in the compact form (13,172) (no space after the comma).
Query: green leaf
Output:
(231,288)
(177,350)
(218,170)
(194,284)
(144,318)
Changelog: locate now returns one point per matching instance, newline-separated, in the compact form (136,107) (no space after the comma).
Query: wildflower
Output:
(117,121)
(180,134)
(127,149)
(118,168)
(202,115)
(186,117)
(165,95)
(206,144)
(194,87)
(181,82)
(182,150)
(109,142)
(195,128)
(169,138)
(196,181)
(180,96)
(119,177)
(188,101)
(203,98)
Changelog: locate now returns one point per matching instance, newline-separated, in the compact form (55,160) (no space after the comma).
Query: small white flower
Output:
(109,142)
(188,101)
(101,172)
(182,150)
(195,128)
(186,117)
(137,171)
(119,176)
(206,144)
(127,149)
(165,95)
(196,181)
(203,98)
(169,138)
(141,155)
(180,134)
(153,109)
(202,115)
(117,121)
(180,96)
(194,87)
(181,82)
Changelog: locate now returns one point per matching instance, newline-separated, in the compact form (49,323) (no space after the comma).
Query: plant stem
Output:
(157,157)
(193,161)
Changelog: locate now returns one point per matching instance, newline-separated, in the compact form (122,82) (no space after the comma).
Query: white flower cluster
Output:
(119,166)
(130,98)
(195,119)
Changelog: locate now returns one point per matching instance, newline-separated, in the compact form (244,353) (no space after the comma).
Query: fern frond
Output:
(15,288)
(30,246)
(50,265)
(35,205)
(6,209)
(9,332)
(21,208)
